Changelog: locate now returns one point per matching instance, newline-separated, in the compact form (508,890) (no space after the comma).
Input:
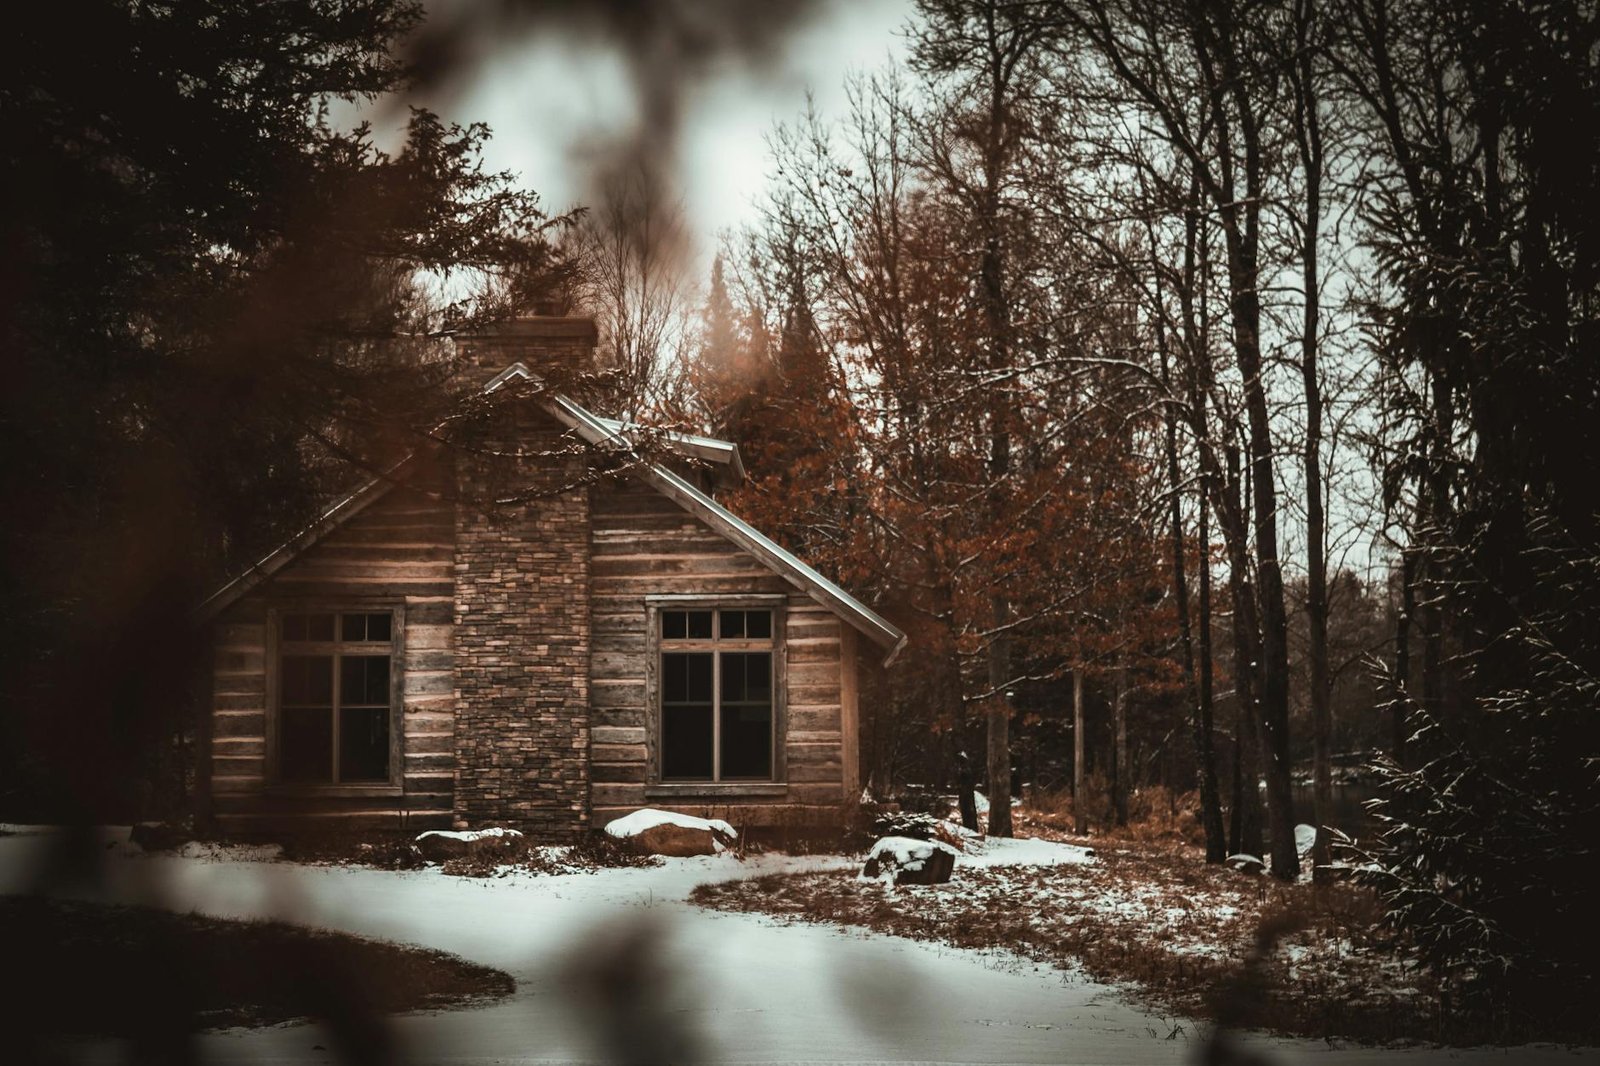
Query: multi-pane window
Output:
(716,695)
(334,676)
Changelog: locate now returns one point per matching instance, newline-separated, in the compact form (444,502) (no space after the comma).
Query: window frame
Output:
(396,609)
(655,784)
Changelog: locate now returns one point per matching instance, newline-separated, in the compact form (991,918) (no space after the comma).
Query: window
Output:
(716,700)
(335,697)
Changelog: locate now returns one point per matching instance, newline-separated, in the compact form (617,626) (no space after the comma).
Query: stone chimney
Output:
(521,611)
(558,348)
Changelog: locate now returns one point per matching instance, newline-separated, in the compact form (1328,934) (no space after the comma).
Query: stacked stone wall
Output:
(522,630)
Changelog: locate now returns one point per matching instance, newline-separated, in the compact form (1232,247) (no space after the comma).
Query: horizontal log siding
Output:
(645,545)
(398,548)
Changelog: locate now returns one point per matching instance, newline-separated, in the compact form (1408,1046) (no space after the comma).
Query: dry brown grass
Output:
(1156,815)
(1198,940)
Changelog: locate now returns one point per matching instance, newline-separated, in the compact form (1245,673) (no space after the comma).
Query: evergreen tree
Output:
(210,315)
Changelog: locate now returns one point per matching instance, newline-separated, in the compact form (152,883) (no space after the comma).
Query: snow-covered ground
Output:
(740,988)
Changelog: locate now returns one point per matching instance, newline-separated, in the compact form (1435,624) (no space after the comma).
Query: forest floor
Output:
(616,963)
(1186,937)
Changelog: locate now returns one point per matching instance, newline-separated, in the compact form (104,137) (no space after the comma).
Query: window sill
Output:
(678,789)
(349,791)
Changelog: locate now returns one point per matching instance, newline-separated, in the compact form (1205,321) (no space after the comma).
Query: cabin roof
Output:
(613,435)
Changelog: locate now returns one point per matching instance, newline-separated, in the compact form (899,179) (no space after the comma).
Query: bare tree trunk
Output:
(1247,671)
(1080,795)
(1436,486)
(999,723)
(1205,739)
(964,786)
(1308,137)
(1197,676)
(1402,654)
(1121,770)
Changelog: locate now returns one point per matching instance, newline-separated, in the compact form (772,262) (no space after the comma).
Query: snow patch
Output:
(1025,851)
(213,851)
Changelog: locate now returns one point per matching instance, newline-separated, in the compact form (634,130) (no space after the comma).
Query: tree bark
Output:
(1400,720)
(1205,739)
(1247,837)
(1121,772)
(1080,795)
(1308,139)
(964,786)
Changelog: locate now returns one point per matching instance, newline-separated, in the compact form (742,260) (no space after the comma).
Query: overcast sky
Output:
(547,96)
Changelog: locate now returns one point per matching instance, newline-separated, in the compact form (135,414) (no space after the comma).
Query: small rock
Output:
(441,846)
(160,836)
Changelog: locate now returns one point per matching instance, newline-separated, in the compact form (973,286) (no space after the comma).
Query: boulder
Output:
(910,861)
(160,836)
(440,845)
(652,832)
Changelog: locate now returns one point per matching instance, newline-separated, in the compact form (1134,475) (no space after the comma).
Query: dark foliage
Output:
(1489,236)
(916,826)
(209,317)
(1488,844)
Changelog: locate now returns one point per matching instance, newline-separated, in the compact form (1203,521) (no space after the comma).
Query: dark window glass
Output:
(686,677)
(305,742)
(363,744)
(307,679)
(686,722)
(334,717)
(746,742)
(746,716)
(686,742)
(364,679)
(717,702)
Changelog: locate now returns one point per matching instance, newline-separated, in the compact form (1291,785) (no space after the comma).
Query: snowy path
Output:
(743,987)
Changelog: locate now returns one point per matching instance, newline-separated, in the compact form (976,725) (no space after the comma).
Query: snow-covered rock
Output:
(1245,864)
(910,861)
(440,845)
(1305,838)
(656,832)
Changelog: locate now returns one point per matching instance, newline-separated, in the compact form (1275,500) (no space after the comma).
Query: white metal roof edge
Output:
(711,449)
(883,632)
(335,516)
(603,432)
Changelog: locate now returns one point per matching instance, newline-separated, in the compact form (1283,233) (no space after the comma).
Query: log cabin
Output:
(439,651)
